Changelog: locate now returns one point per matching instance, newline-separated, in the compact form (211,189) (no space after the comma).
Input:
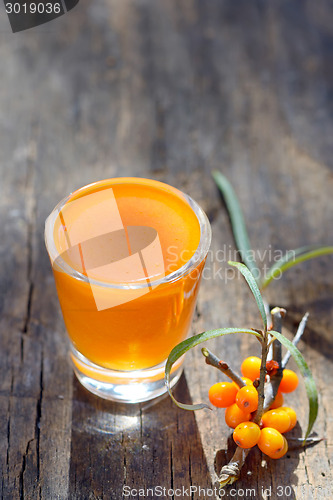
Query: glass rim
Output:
(198,256)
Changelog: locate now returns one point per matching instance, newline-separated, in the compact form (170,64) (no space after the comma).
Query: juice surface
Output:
(151,207)
(153,231)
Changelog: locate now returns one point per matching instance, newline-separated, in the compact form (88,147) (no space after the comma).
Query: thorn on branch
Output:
(296,339)
(213,360)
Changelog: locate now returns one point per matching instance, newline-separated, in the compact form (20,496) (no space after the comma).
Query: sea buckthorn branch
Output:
(278,313)
(296,443)
(271,389)
(262,378)
(259,338)
(266,396)
(268,314)
(213,360)
(297,338)
(230,472)
(271,346)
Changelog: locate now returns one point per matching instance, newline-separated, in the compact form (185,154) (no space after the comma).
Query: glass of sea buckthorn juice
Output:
(127,256)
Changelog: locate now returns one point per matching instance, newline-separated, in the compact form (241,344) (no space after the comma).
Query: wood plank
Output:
(166,90)
(117,449)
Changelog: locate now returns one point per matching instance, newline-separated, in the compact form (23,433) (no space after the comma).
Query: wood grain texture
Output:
(168,90)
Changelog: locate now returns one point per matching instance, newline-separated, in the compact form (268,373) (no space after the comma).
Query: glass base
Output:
(123,386)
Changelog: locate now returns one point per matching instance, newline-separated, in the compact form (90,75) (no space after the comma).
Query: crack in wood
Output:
(24,464)
(8,433)
(28,309)
(8,443)
(35,439)
(38,420)
(190,474)
(325,434)
(213,213)
(124,462)
(8,438)
(197,314)
(31,208)
(306,469)
(141,425)
(171,470)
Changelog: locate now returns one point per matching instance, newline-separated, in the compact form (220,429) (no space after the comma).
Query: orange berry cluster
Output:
(240,403)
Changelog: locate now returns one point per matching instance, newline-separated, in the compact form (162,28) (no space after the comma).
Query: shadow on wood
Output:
(138,446)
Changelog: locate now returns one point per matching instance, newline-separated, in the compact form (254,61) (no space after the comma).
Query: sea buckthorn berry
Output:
(278,401)
(251,367)
(222,394)
(246,380)
(289,381)
(283,451)
(247,398)
(235,416)
(278,419)
(272,443)
(246,434)
(292,416)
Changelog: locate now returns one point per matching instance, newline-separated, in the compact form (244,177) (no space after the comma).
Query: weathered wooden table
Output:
(168,90)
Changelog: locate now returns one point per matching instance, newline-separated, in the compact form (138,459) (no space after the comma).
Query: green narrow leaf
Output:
(237,220)
(310,385)
(187,344)
(254,288)
(292,258)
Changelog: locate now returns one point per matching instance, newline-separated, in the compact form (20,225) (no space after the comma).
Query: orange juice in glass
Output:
(127,256)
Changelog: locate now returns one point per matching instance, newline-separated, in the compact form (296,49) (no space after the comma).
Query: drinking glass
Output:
(127,256)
